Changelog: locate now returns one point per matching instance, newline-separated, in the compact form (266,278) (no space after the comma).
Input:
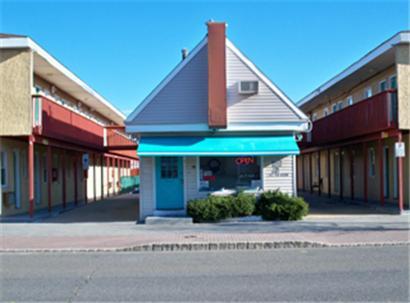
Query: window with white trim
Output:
(349,100)
(383,86)
(325,112)
(368,92)
(242,172)
(340,105)
(314,116)
(334,108)
(393,82)
(3,165)
(372,162)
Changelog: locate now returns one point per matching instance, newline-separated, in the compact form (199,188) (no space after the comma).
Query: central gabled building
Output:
(215,124)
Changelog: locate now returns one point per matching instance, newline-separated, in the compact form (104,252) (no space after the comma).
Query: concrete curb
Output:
(209,246)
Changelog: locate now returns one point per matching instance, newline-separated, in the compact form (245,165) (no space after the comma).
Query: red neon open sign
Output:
(244,160)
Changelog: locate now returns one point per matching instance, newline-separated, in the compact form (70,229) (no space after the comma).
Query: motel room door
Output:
(169,183)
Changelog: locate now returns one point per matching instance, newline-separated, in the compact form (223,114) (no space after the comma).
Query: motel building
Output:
(60,142)
(216,125)
(359,145)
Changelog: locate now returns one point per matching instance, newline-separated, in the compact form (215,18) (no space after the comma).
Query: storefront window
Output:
(229,172)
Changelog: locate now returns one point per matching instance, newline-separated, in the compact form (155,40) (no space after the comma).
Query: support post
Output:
(365,173)
(94,177)
(102,176)
(75,180)
(381,171)
(319,174)
(303,173)
(341,174)
(49,177)
(108,176)
(400,178)
(30,162)
(63,164)
(119,175)
(310,174)
(351,154)
(329,175)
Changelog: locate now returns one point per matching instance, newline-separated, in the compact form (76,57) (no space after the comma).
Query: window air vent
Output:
(248,87)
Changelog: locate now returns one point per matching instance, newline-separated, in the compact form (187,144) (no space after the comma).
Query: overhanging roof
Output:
(218,146)
(381,57)
(56,73)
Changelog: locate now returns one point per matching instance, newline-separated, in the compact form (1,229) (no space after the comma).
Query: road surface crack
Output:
(81,285)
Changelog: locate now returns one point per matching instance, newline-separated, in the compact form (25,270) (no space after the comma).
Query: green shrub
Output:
(274,205)
(243,205)
(213,209)
(202,210)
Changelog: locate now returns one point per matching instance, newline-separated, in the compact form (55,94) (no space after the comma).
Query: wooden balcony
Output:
(375,114)
(55,121)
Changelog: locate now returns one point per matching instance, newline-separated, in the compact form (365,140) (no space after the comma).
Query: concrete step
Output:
(154,220)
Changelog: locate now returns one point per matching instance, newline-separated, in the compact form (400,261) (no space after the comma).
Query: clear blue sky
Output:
(123,49)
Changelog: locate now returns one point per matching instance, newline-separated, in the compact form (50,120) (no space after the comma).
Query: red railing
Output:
(375,114)
(116,138)
(55,121)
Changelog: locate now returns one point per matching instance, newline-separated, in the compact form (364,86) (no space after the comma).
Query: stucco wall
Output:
(15,92)
(403,80)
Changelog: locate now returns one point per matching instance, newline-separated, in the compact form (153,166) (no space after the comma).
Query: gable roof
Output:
(190,57)
(167,79)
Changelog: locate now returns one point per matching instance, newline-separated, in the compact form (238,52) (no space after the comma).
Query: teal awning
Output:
(218,146)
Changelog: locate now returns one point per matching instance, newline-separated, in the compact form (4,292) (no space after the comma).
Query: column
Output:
(351,154)
(30,163)
(75,166)
(63,171)
(341,175)
(319,174)
(108,176)
(381,171)
(365,160)
(310,173)
(400,176)
(329,177)
(49,176)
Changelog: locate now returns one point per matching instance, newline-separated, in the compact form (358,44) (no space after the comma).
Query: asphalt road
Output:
(326,274)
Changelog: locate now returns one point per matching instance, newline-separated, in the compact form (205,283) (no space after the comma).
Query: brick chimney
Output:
(216,75)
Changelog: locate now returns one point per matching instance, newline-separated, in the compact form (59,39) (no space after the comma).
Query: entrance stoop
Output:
(168,220)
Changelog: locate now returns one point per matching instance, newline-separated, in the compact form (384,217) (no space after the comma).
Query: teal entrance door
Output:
(169,183)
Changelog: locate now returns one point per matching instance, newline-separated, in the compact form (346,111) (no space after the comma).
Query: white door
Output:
(17,177)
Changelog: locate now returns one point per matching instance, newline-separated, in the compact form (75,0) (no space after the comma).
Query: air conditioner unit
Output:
(248,87)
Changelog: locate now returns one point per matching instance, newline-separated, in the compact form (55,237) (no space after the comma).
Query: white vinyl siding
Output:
(184,100)
(265,106)
(147,198)
(278,174)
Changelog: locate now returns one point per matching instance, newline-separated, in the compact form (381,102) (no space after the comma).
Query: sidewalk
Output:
(326,231)
(110,225)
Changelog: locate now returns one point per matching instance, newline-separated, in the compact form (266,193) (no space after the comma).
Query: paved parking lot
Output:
(122,208)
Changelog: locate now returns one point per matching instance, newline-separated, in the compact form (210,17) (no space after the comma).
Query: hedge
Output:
(274,205)
(214,209)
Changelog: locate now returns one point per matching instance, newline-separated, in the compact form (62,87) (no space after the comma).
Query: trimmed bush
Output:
(214,209)
(243,205)
(274,205)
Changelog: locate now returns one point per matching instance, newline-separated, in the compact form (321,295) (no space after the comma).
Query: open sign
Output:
(245,160)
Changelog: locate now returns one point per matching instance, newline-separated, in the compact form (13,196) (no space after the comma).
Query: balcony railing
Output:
(375,114)
(56,121)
